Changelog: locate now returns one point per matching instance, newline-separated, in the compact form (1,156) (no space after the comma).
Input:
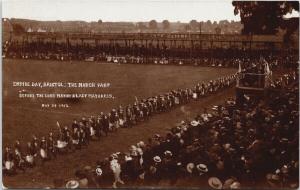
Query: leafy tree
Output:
(209,23)
(263,17)
(141,26)
(218,30)
(193,24)
(99,21)
(223,22)
(166,24)
(153,24)
(18,29)
(187,27)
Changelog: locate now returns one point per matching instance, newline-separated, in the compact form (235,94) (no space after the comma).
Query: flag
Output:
(136,100)
(240,68)
(268,73)
(58,125)
(246,97)
(267,68)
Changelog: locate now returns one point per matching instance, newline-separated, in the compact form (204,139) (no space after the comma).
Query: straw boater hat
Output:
(194,123)
(273,179)
(190,167)
(235,185)
(226,146)
(168,153)
(141,144)
(139,151)
(157,159)
(202,168)
(132,147)
(114,156)
(128,158)
(134,153)
(227,183)
(99,171)
(215,183)
(284,169)
(72,184)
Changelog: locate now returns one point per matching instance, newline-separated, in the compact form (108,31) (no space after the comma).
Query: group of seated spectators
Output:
(230,147)
(79,134)
(131,54)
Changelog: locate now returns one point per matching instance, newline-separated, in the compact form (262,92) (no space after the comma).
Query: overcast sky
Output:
(119,10)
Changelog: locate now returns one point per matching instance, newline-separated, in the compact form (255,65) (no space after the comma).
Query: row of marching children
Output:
(79,134)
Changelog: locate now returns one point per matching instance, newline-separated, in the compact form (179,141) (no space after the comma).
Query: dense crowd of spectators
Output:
(150,55)
(255,145)
(232,147)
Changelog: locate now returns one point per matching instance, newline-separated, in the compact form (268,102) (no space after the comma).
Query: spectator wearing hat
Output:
(128,169)
(98,174)
(215,183)
(89,173)
(81,177)
(116,169)
(153,174)
(273,180)
(169,167)
(72,184)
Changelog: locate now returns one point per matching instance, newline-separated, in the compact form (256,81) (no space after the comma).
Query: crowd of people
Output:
(141,55)
(231,147)
(79,134)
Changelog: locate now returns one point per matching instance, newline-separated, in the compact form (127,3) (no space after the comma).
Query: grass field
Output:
(22,118)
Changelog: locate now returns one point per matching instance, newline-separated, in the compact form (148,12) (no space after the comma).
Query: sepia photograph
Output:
(150,94)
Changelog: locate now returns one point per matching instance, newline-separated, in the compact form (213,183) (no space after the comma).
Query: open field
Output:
(22,118)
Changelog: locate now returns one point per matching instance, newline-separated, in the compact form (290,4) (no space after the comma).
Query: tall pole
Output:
(200,28)
(191,44)
(200,31)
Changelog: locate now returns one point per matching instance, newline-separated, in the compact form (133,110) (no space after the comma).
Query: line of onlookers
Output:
(138,55)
